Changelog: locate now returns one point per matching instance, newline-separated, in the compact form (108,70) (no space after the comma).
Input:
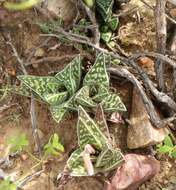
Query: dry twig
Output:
(32,112)
(154,117)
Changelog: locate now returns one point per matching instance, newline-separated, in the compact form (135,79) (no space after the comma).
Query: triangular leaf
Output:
(101,93)
(112,103)
(70,76)
(109,159)
(76,164)
(58,112)
(56,99)
(113,23)
(82,98)
(98,75)
(41,85)
(23,90)
(104,7)
(101,121)
(88,132)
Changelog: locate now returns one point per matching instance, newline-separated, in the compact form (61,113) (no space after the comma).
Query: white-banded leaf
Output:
(98,75)
(102,92)
(41,85)
(56,99)
(109,159)
(88,131)
(101,121)
(58,112)
(23,90)
(104,7)
(112,103)
(70,76)
(76,164)
(82,97)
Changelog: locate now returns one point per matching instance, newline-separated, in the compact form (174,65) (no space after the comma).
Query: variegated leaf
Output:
(71,104)
(41,85)
(112,103)
(101,121)
(109,159)
(76,164)
(70,76)
(102,92)
(104,7)
(25,91)
(56,99)
(58,112)
(88,132)
(98,74)
(82,97)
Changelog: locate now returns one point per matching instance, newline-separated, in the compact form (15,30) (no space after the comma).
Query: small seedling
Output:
(167,147)
(6,184)
(17,143)
(53,147)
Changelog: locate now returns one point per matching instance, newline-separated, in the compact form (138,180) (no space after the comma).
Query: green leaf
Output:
(165,149)
(104,7)
(17,142)
(76,164)
(100,93)
(106,36)
(83,98)
(101,121)
(41,85)
(168,141)
(56,99)
(54,147)
(173,153)
(70,76)
(98,75)
(58,112)
(20,6)
(88,132)
(109,159)
(89,3)
(112,103)
(6,184)
(25,91)
(113,23)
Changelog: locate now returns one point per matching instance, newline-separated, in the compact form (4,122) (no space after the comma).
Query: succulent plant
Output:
(90,132)
(63,92)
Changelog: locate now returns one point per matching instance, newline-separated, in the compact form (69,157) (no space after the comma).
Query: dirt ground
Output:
(25,35)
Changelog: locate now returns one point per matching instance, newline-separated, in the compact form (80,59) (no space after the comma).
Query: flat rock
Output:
(136,170)
(141,133)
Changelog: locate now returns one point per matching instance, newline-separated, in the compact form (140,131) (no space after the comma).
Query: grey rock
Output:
(141,133)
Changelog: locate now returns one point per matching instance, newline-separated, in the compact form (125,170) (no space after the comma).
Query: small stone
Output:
(39,52)
(147,64)
(135,171)
(173,13)
(24,157)
(141,133)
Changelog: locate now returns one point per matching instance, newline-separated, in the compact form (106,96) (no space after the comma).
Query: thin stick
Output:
(161,35)
(167,16)
(92,18)
(32,112)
